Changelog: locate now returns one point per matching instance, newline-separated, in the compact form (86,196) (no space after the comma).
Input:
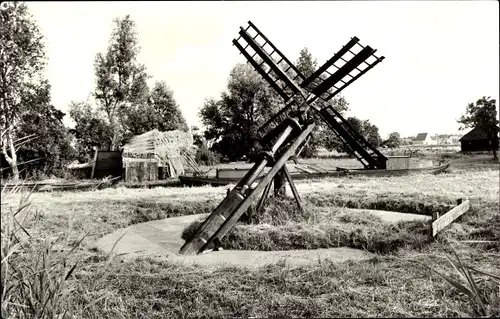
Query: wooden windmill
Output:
(284,135)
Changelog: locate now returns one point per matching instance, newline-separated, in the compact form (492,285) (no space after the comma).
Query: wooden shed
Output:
(476,140)
(155,155)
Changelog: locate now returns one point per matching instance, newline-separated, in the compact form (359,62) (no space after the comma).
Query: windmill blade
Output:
(281,74)
(346,66)
(283,61)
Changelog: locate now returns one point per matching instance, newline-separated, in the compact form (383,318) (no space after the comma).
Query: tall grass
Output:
(34,275)
(480,302)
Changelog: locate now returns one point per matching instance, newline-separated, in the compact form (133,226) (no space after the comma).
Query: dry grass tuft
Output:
(35,272)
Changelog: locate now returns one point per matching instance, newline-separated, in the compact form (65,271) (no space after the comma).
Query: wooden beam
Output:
(439,223)
(94,163)
(265,194)
(294,189)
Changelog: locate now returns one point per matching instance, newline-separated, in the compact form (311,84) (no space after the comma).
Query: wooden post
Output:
(280,184)
(263,198)
(94,163)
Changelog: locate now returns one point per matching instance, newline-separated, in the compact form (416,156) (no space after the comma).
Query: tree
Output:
(370,133)
(395,135)
(22,59)
(483,115)
(198,138)
(51,145)
(161,112)
(394,140)
(306,63)
(232,121)
(322,134)
(91,129)
(121,80)
(362,127)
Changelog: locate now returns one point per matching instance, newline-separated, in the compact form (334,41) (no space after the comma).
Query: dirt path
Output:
(162,239)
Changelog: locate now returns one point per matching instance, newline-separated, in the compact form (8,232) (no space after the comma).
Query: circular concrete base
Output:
(162,239)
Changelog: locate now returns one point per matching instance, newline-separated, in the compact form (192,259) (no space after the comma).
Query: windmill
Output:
(285,134)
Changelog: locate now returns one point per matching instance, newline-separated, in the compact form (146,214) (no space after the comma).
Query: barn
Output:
(155,155)
(476,140)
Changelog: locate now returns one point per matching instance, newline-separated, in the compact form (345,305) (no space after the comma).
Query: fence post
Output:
(435,216)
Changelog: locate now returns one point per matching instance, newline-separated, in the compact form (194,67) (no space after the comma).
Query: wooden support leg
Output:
(249,212)
(294,189)
(296,156)
(280,184)
(265,194)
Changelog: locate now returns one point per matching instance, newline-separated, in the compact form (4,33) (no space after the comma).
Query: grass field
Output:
(395,283)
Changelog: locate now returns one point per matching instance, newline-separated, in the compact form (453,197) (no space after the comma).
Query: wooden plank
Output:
(314,168)
(324,168)
(303,169)
(442,222)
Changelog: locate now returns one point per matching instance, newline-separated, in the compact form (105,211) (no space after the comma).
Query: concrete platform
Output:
(162,239)
(393,217)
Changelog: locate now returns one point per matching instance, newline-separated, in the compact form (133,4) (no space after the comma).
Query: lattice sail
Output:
(346,66)
(272,65)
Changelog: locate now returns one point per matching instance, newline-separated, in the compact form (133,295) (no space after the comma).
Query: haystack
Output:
(155,155)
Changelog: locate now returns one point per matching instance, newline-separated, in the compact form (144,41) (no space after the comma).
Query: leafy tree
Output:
(370,133)
(232,121)
(42,120)
(159,112)
(364,128)
(394,140)
(306,63)
(22,59)
(395,135)
(164,104)
(482,114)
(121,80)
(91,129)
(198,138)
(322,134)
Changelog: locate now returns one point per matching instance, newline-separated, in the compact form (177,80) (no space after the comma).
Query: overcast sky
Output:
(439,55)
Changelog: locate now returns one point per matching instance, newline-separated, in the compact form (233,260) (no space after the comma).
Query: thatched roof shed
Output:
(155,155)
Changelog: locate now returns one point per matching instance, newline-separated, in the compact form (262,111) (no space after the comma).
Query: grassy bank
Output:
(381,287)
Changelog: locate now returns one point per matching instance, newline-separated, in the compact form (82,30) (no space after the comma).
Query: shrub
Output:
(204,156)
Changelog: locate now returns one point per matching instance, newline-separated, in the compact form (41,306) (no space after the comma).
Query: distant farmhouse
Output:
(424,139)
(476,141)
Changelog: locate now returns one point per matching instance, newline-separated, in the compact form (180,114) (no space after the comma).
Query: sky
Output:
(439,55)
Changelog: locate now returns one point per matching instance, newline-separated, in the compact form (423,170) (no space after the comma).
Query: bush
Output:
(204,156)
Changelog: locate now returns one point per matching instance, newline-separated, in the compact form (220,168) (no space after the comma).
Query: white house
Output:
(424,139)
